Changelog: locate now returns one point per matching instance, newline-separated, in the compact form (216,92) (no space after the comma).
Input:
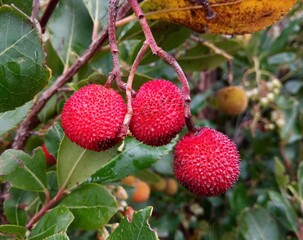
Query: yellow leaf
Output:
(232,16)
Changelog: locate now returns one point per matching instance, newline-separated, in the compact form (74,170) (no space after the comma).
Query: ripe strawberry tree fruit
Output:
(206,162)
(92,117)
(158,112)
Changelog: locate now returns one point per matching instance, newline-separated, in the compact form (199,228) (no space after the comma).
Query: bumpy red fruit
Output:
(92,117)
(158,113)
(206,162)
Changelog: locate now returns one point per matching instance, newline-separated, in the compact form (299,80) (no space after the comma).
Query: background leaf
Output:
(281,207)
(58,236)
(73,37)
(13,230)
(14,207)
(23,72)
(76,164)
(23,171)
(54,221)
(53,138)
(257,224)
(10,119)
(98,11)
(134,157)
(24,5)
(138,228)
(92,205)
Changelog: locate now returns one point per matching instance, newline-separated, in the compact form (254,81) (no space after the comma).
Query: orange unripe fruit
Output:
(232,100)
(171,187)
(129,180)
(159,185)
(141,193)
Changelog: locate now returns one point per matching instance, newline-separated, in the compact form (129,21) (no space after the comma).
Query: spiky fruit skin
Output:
(158,113)
(232,100)
(206,162)
(92,117)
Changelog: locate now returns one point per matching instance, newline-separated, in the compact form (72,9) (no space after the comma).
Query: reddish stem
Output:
(45,208)
(47,13)
(129,88)
(112,17)
(35,10)
(150,40)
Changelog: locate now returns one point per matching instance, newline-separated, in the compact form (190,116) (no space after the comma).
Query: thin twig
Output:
(35,10)
(112,17)
(45,208)
(150,40)
(47,14)
(129,88)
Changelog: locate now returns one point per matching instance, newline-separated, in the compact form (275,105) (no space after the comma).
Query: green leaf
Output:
(291,132)
(98,11)
(10,119)
(22,171)
(13,209)
(52,183)
(55,221)
(300,181)
(174,36)
(257,224)
(23,72)
(238,199)
(148,176)
(74,36)
(13,230)
(201,57)
(58,236)
(92,205)
(134,157)
(138,228)
(281,178)
(76,164)
(53,138)
(284,210)
(24,5)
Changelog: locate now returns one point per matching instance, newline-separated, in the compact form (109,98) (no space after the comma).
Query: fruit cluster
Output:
(206,162)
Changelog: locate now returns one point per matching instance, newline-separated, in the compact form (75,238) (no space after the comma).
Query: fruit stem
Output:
(112,18)
(156,50)
(47,13)
(35,10)
(129,88)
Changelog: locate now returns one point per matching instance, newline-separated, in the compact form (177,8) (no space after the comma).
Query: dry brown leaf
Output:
(232,16)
